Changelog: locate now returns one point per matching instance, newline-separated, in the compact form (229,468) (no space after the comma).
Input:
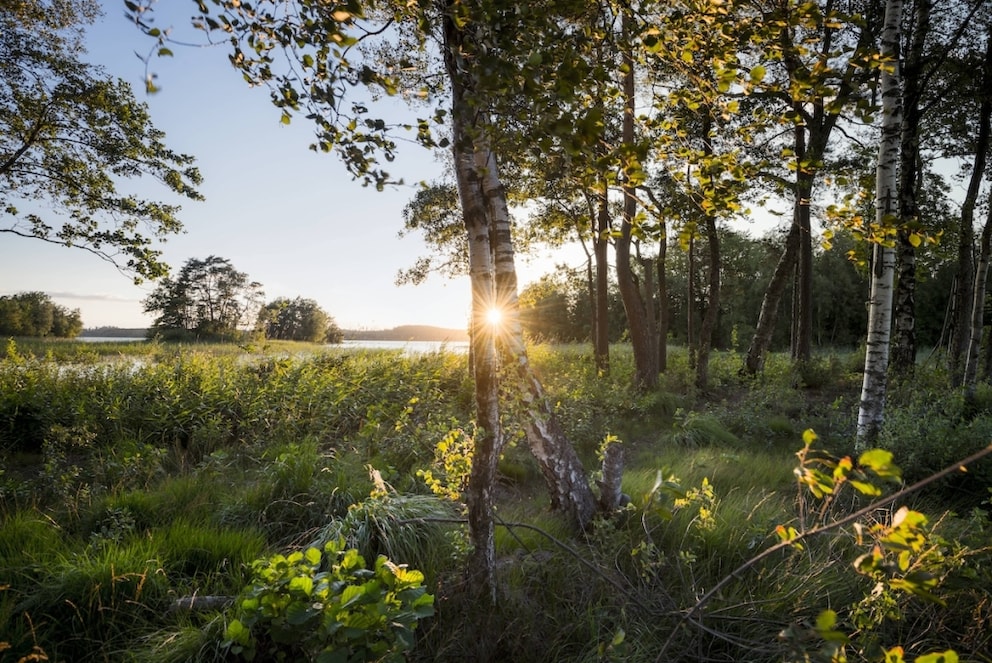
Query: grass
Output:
(156,472)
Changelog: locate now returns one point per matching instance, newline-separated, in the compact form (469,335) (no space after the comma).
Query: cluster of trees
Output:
(630,124)
(35,314)
(298,319)
(560,305)
(210,299)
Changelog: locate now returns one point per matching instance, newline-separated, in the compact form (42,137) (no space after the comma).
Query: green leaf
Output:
(949,656)
(866,488)
(879,461)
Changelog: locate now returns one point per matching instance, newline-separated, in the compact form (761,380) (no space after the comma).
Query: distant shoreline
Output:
(406,333)
(401,333)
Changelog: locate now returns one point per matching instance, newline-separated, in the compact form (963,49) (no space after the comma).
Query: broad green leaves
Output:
(330,606)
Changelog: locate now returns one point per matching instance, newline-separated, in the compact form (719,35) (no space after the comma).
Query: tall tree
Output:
(814,70)
(873,390)
(639,322)
(209,298)
(69,135)
(935,40)
(481,60)
(983,143)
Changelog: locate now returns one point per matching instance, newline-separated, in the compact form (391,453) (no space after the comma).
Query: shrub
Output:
(328,607)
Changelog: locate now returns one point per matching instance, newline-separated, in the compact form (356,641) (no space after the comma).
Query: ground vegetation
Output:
(155,498)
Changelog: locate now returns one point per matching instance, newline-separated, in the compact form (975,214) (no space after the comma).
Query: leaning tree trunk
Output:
(872,409)
(762,339)
(566,479)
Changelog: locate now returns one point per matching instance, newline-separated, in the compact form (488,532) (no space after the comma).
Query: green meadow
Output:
(165,503)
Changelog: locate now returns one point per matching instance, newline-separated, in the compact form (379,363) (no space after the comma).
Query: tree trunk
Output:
(965,295)
(904,312)
(663,307)
(641,340)
(872,409)
(762,339)
(981,156)
(601,331)
(690,299)
(803,323)
(712,313)
(564,475)
(488,442)
(978,308)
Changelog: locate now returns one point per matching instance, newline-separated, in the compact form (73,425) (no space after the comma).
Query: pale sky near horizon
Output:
(291,219)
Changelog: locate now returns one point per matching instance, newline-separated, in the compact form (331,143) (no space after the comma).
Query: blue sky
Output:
(291,219)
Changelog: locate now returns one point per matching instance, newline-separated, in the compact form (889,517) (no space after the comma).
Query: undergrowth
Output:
(134,480)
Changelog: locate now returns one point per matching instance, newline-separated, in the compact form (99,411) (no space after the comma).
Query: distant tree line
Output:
(558,307)
(35,314)
(211,300)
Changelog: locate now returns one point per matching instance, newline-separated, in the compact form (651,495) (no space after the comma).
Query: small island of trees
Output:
(211,300)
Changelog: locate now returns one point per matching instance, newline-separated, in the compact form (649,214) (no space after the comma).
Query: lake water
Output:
(408,347)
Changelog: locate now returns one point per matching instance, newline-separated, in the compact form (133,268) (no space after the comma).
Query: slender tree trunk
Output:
(712,312)
(690,307)
(663,308)
(480,497)
(978,308)
(641,340)
(803,323)
(601,243)
(982,145)
(904,312)
(762,339)
(872,409)
(965,296)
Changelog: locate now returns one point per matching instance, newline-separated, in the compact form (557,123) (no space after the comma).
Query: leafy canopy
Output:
(69,135)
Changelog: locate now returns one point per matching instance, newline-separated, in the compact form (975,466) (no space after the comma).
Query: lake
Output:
(408,347)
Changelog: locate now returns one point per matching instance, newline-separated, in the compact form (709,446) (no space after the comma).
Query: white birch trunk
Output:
(564,475)
(488,443)
(872,410)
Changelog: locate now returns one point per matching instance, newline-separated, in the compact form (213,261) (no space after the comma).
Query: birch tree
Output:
(309,55)
(872,408)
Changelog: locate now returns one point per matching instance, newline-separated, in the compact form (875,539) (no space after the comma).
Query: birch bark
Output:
(872,410)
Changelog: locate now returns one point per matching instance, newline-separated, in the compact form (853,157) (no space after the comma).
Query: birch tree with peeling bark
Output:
(872,409)
(323,49)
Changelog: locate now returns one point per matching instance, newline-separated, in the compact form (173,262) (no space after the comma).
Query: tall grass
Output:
(134,479)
